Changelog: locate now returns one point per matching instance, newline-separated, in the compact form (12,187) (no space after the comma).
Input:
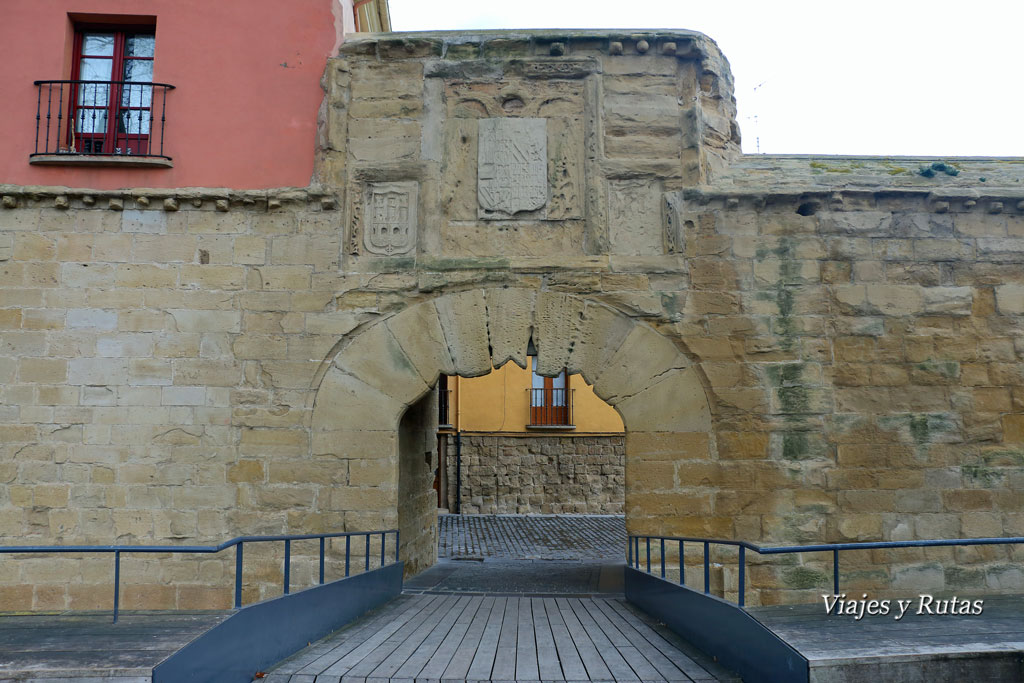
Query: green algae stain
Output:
(805,577)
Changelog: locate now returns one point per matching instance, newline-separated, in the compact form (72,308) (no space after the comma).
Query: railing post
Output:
(366,554)
(238,575)
(287,566)
(117,583)
(383,536)
(648,554)
(707,568)
(397,545)
(629,551)
(39,104)
(322,541)
(663,558)
(348,552)
(682,566)
(742,573)
(835,571)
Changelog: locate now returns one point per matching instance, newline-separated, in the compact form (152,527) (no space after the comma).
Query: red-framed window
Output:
(549,398)
(113,96)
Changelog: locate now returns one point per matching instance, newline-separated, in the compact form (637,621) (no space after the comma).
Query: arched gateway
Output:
(379,373)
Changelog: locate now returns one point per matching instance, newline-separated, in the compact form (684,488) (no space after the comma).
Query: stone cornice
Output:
(940,200)
(169,199)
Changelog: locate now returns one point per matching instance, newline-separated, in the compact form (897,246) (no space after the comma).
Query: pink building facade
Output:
(243,109)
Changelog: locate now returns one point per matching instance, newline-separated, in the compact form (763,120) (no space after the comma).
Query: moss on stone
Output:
(805,577)
(962,577)
(979,475)
(946,368)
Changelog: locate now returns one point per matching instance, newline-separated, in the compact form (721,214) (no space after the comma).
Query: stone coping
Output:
(505,43)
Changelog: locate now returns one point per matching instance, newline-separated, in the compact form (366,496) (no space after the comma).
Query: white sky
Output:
(865,77)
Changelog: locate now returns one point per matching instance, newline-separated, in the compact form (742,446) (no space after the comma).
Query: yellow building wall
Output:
(500,402)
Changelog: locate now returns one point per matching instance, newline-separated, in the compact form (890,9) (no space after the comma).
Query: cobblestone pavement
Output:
(532,537)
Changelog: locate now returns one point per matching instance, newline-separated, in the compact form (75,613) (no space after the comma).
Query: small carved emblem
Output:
(390,218)
(512,169)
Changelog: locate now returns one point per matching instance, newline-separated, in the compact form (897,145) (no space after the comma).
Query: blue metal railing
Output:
(633,553)
(238,543)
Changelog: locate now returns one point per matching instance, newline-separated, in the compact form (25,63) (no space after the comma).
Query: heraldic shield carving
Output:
(512,166)
(390,218)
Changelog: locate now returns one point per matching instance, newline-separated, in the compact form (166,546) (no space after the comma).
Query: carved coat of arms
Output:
(512,166)
(390,218)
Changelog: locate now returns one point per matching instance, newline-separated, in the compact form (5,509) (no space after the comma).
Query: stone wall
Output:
(539,475)
(802,350)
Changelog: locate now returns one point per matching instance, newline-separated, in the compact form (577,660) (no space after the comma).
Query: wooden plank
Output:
(665,668)
(388,632)
(389,656)
(483,661)
(547,654)
(412,661)
(620,668)
(642,667)
(458,668)
(526,643)
(312,659)
(680,659)
(373,627)
(596,668)
(438,662)
(568,656)
(505,657)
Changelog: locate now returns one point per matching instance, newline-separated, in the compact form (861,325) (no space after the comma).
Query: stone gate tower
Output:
(801,349)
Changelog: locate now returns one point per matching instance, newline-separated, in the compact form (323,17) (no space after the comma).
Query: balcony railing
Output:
(550,408)
(115,119)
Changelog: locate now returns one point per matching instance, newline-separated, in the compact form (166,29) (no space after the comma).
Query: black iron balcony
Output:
(112,121)
(551,408)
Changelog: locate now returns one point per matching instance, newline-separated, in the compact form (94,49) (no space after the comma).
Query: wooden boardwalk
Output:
(439,637)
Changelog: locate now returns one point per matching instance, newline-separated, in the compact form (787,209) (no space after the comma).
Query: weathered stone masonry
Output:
(801,349)
(525,474)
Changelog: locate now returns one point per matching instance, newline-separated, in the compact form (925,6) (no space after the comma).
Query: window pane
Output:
(136,95)
(98,44)
(91,121)
(538,381)
(93,94)
(92,69)
(138,70)
(134,122)
(139,46)
(558,390)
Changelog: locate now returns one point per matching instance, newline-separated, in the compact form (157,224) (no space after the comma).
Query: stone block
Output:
(1010,299)
(141,275)
(675,403)
(153,222)
(463,318)
(377,359)
(377,140)
(509,324)
(191,320)
(345,403)
(601,332)
(895,299)
(643,356)
(556,324)
(948,300)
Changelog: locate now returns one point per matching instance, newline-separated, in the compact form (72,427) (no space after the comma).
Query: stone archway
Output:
(374,379)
